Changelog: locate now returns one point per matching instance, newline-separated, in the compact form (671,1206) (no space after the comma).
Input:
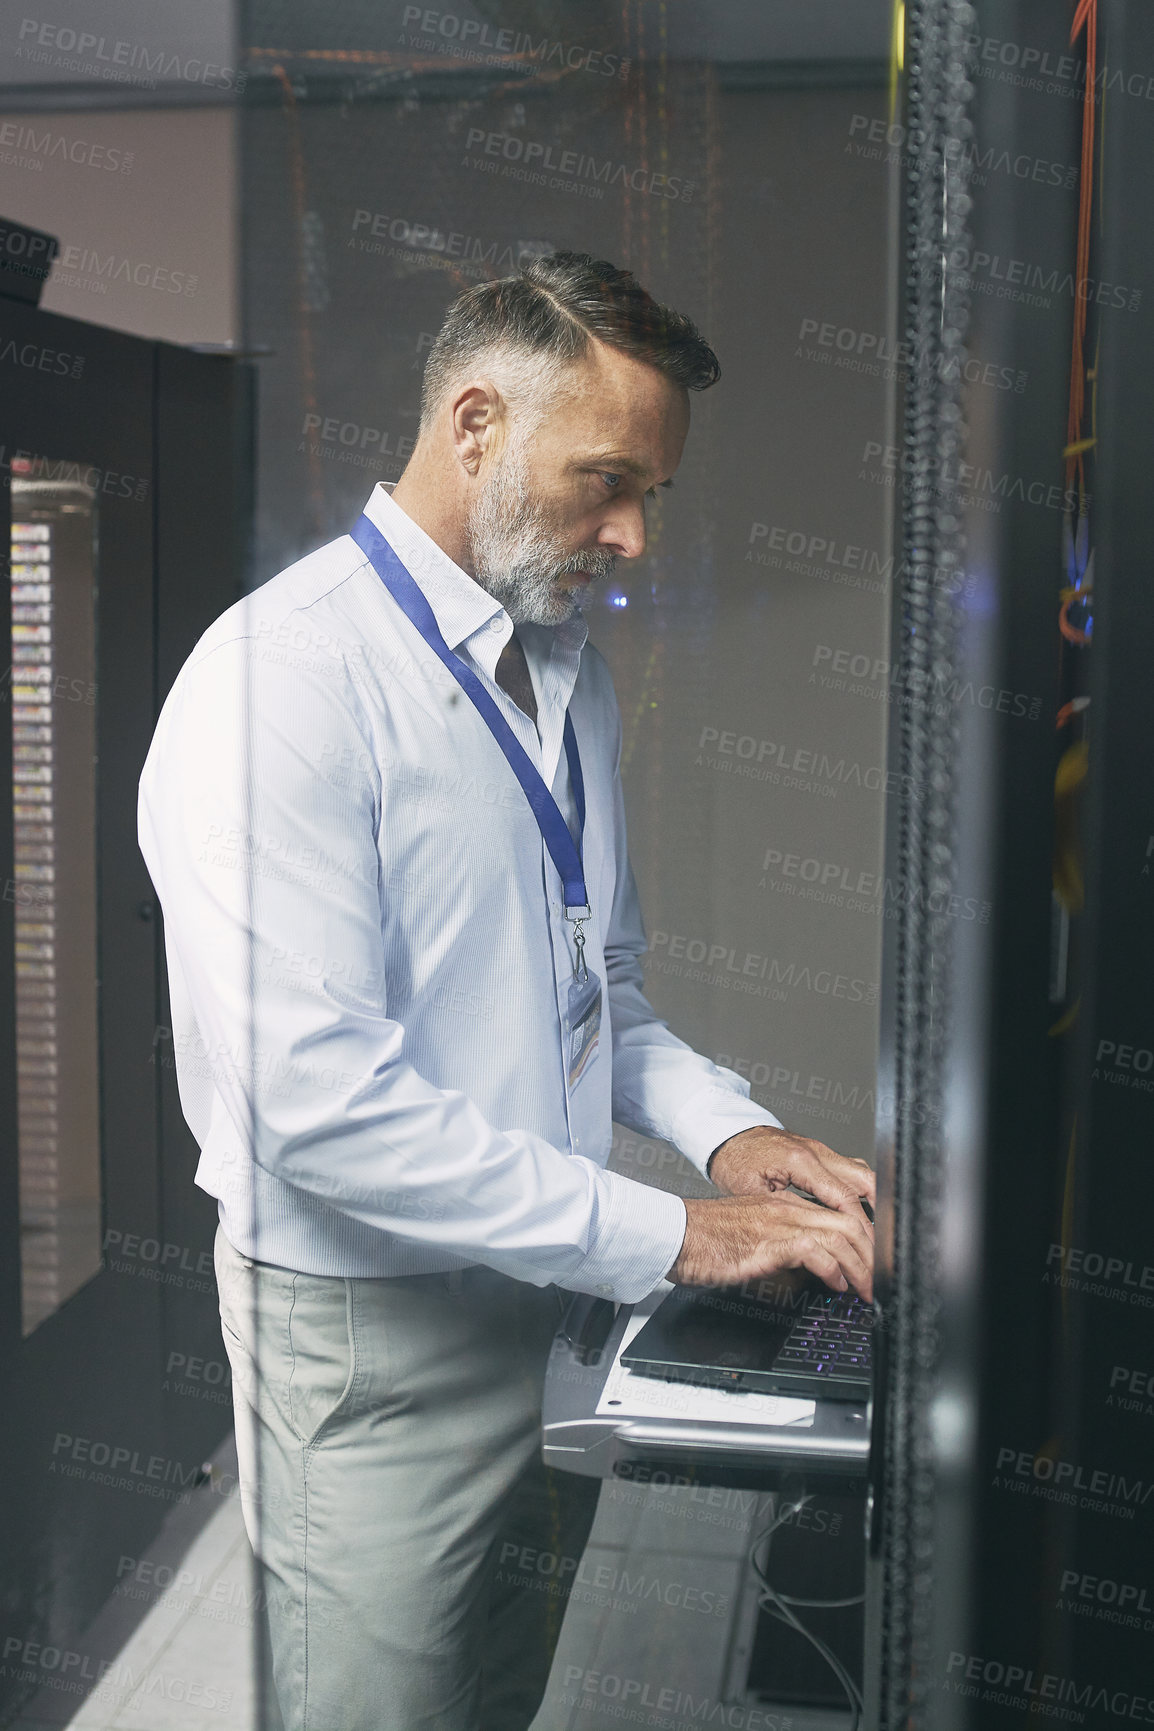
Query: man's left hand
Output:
(768,1158)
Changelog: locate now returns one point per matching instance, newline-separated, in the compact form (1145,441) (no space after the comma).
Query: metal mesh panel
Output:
(935,323)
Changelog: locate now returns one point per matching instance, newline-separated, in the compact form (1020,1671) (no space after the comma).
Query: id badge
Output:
(583,1025)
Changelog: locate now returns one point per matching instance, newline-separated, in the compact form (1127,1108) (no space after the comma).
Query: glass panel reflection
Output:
(54,888)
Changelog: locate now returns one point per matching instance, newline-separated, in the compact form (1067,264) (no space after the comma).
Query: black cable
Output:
(780,1607)
(821,1604)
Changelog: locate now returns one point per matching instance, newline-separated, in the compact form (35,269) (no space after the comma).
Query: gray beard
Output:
(517,555)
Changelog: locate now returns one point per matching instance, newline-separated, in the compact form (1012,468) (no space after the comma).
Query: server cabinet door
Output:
(90,1267)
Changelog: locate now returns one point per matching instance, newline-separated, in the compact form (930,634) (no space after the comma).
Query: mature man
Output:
(383,813)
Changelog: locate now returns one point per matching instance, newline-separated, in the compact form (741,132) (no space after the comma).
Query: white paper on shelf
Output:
(628,1395)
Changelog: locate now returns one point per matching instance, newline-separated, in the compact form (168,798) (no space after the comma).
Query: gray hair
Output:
(526,329)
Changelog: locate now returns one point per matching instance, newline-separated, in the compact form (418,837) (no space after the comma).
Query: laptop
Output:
(787,1334)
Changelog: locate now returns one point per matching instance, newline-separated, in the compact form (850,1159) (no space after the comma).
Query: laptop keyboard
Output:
(832,1339)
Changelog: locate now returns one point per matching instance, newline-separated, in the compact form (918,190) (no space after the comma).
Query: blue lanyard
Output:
(563,850)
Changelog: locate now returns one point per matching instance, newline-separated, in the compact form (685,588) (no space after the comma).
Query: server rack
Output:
(126,470)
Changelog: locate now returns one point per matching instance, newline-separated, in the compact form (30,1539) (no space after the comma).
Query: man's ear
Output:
(477,416)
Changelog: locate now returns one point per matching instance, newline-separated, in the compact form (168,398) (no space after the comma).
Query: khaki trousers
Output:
(409,1540)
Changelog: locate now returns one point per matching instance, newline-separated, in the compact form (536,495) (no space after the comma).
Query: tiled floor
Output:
(180,1630)
(652,1611)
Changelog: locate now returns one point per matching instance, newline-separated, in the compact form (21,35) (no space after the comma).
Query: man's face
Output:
(557,507)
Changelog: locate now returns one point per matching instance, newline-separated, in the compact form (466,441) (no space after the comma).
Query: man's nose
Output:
(623,532)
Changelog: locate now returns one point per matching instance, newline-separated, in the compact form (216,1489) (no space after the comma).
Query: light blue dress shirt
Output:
(367,957)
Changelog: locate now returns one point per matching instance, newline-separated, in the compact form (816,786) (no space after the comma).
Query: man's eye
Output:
(610,480)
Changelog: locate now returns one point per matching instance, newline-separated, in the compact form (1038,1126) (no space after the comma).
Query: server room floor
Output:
(656,1631)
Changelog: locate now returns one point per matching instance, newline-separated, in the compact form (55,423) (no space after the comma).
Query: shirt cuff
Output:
(637,1238)
(711,1116)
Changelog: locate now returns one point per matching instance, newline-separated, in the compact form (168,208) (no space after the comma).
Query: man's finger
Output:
(866,1181)
(834,1229)
(841,1185)
(829,1256)
(826,1266)
(858,1269)
(854,1251)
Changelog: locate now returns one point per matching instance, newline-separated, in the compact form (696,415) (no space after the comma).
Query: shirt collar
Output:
(460,605)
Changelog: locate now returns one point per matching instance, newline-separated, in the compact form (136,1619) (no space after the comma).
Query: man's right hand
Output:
(732,1239)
